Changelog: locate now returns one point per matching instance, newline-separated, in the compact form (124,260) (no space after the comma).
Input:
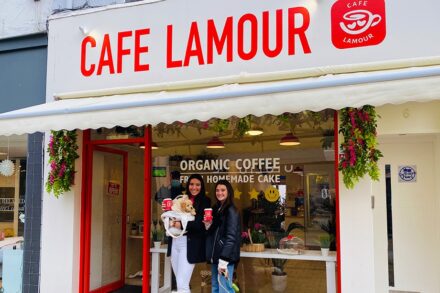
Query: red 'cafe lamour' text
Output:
(226,39)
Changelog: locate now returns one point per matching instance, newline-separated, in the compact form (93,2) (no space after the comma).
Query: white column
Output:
(155,266)
(330,276)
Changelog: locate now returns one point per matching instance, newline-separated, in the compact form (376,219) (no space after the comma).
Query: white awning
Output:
(315,94)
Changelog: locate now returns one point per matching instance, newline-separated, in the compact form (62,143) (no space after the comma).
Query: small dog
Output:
(183,205)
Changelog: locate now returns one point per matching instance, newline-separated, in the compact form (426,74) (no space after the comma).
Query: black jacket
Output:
(196,237)
(223,237)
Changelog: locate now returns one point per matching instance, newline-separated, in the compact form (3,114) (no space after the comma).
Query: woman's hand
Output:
(223,268)
(207,224)
(176,224)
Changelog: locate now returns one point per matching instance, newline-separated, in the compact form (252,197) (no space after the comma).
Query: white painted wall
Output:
(23,17)
(364,264)
(60,236)
(356,237)
(410,118)
(415,220)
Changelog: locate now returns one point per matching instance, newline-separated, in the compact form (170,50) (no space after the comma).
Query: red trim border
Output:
(338,230)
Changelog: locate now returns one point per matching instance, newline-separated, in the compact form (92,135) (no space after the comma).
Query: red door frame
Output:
(85,223)
(147,209)
(338,238)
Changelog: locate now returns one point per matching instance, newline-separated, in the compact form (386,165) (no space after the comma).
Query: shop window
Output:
(13,153)
(282,171)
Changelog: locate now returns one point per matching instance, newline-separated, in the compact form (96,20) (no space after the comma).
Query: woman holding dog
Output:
(189,249)
(223,238)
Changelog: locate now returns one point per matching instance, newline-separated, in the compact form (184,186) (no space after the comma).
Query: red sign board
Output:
(358,23)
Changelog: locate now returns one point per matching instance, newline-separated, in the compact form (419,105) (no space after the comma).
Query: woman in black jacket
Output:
(189,249)
(223,240)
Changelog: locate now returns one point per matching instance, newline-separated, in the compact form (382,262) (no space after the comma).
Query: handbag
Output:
(184,218)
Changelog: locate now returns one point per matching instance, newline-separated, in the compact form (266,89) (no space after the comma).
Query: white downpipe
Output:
(247,90)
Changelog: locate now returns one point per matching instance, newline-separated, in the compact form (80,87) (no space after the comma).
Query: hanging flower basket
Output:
(62,155)
(359,153)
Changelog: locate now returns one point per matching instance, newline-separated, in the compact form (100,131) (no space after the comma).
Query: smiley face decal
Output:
(271,194)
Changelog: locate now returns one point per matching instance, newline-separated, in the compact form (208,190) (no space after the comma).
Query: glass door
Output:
(108,217)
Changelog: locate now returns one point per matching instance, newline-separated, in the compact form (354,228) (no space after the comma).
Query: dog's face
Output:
(187,207)
(183,205)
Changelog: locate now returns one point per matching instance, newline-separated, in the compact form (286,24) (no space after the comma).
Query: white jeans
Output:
(181,267)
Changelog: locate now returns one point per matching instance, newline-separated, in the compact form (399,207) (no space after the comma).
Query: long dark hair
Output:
(202,187)
(229,201)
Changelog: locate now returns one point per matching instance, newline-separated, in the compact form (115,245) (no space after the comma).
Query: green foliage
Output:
(255,235)
(359,155)
(328,137)
(258,235)
(242,126)
(157,233)
(62,155)
(326,240)
(219,125)
(132,130)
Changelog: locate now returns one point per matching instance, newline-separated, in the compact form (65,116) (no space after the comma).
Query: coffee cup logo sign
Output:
(358,23)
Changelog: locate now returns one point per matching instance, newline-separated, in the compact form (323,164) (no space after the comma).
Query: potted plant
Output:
(157,235)
(254,239)
(325,241)
(328,139)
(327,143)
(279,276)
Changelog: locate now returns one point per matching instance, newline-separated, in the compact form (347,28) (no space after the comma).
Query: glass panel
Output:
(135,212)
(106,219)
(12,217)
(282,170)
(319,203)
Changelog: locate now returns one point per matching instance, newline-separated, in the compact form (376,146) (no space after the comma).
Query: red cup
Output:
(208,214)
(167,203)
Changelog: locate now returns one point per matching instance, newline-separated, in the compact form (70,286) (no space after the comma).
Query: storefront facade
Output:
(23,61)
(253,63)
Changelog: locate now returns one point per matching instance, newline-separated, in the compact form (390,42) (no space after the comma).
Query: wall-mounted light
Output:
(84,30)
(289,140)
(215,143)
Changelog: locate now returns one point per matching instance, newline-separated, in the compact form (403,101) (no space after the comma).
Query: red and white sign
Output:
(113,188)
(358,23)
(143,44)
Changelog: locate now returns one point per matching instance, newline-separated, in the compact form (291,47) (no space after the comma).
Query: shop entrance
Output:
(113,215)
(108,195)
